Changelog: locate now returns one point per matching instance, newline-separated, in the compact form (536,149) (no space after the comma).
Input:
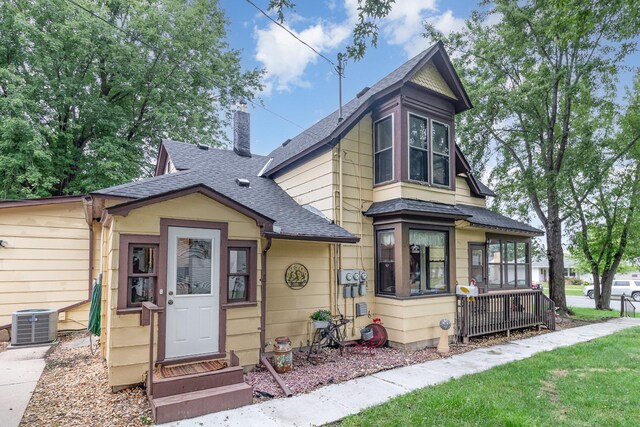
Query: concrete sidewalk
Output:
(334,402)
(20,370)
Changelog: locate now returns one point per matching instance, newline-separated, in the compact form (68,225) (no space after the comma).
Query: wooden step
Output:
(163,387)
(202,402)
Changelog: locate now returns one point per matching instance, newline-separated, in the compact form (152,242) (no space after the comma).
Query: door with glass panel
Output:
(193,291)
(477,265)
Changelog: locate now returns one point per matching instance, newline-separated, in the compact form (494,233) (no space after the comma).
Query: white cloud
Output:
(286,59)
(404,26)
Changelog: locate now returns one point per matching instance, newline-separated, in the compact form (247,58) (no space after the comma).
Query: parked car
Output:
(537,286)
(630,288)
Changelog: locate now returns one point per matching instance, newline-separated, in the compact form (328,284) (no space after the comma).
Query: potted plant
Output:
(321,318)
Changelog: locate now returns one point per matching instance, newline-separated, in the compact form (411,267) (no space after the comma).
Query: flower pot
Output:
(366,333)
(320,324)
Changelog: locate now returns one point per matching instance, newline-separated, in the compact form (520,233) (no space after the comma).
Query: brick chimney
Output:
(242,132)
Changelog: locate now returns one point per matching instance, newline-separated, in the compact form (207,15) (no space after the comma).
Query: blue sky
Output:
(302,87)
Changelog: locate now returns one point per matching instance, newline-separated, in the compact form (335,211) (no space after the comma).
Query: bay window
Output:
(386,272)
(413,260)
(427,261)
(383,150)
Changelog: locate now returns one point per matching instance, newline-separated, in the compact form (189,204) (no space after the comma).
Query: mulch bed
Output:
(334,368)
(73,391)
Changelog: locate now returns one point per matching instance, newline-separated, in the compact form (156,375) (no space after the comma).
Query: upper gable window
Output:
(383,150)
(440,138)
(418,148)
(429,151)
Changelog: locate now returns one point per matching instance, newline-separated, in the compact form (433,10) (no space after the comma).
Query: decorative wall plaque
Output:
(296,276)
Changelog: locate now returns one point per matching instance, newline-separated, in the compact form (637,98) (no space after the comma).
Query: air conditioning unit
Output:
(34,326)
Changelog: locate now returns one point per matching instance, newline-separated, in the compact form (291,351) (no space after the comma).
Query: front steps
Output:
(192,395)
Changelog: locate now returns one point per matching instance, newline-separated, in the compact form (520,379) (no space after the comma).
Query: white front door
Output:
(193,291)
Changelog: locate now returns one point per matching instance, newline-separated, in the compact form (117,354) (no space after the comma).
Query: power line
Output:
(294,36)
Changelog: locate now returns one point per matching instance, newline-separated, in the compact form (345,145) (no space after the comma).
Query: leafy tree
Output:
(544,70)
(608,204)
(365,31)
(85,99)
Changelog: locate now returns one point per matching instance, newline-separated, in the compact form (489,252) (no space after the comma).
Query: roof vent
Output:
(203,147)
(284,144)
(363,91)
(242,182)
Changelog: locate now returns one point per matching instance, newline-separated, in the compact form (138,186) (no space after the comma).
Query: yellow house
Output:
(229,250)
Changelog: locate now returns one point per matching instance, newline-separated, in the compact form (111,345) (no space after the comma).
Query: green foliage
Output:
(542,80)
(582,385)
(84,103)
(322,315)
(607,204)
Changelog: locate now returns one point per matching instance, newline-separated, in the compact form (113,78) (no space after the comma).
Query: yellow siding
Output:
(311,183)
(430,77)
(415,320)
(463,194)
(46,261)
(288,310)
(411,190)
(465,235)
(127,348)
(357,196)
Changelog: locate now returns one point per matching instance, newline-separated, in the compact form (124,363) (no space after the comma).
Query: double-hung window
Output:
(429,151)
(383,150)
(385,251)
(440,147)
(418,149)
(241,272)
(428,269)
(138,272)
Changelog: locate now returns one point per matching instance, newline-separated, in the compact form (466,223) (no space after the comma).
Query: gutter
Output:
(337,239)
(263,296)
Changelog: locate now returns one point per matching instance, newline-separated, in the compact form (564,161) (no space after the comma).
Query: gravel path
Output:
(73,391)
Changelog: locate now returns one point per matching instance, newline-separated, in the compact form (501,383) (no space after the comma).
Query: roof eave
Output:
(332,140)
(41,201)
(508,229)
(311,238)
(417,212)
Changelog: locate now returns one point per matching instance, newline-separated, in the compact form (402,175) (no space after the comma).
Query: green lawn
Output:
(568,289)
(594,384)
(591,314)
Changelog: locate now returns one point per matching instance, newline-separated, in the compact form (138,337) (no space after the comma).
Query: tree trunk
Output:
(555,254)
(603,298)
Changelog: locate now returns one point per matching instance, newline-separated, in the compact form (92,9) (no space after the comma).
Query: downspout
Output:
(263,320)
(263,295)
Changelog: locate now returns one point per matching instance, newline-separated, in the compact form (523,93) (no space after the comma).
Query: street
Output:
(581,301)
